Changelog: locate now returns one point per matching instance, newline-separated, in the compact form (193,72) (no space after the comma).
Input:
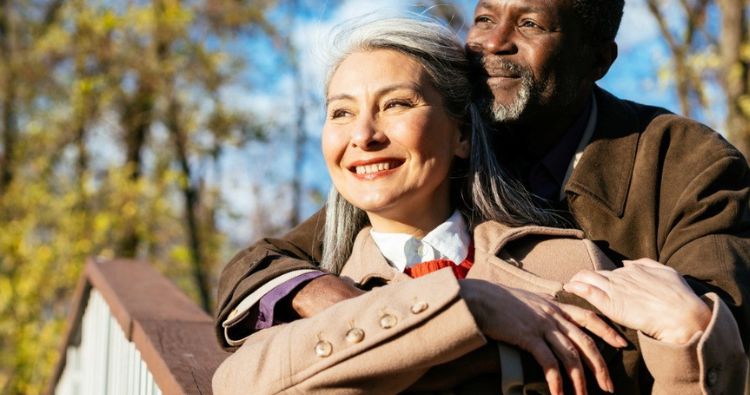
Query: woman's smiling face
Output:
(388,141)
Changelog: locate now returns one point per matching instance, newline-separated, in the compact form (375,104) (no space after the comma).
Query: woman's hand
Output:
(544,328)
(647,296)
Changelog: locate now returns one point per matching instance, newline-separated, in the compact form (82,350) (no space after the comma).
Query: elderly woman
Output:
(412,178)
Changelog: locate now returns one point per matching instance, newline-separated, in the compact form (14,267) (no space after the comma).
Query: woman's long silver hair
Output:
(481,189)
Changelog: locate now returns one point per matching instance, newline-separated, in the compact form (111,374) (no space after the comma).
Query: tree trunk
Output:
(135,120)
(189,190)
(190,193)
(680,46)
(299,134)
(8,101)
(736,81)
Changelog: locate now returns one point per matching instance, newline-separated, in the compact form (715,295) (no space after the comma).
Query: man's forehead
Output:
(522,4)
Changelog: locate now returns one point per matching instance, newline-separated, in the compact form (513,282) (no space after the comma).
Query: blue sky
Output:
(267,93)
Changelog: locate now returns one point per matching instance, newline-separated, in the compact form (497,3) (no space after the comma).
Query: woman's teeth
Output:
(373,168)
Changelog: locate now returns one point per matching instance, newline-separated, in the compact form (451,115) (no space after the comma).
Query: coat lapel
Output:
(604,171)
(533,258)
(367,264)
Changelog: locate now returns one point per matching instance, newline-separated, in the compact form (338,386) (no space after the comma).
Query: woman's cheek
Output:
(333,146)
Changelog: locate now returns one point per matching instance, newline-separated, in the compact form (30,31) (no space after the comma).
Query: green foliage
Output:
(111,111)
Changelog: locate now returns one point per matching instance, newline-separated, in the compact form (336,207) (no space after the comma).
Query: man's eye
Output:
(482,20)
(529,24)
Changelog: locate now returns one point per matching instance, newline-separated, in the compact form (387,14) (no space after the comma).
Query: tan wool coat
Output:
(387,340)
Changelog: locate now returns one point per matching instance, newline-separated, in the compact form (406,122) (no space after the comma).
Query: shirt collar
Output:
(548,176)
(449,240)
(557,159)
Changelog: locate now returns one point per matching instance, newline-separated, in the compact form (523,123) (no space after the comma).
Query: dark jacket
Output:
(649,184)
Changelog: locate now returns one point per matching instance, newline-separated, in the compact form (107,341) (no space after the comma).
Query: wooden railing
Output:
(132,332)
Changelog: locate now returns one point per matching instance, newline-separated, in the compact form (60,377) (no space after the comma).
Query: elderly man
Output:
(639,181)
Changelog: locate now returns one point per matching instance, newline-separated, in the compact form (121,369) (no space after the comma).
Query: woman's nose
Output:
(367,135)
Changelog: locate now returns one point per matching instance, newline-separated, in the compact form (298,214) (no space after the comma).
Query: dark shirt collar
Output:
(545,178)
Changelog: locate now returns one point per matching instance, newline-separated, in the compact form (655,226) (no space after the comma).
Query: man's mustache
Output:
(499,67)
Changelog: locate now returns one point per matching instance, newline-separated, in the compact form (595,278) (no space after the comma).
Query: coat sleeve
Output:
(704,222)
(266,260)
(380,342)
(711,363)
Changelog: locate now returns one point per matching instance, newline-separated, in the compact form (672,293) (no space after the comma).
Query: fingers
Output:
(645,262)
(593,294)
(567,352)
(590,354)
(598,279)
(544,357)
(589,320)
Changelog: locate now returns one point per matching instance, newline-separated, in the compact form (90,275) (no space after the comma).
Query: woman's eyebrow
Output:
(342,96)
(380,92)
(403,85)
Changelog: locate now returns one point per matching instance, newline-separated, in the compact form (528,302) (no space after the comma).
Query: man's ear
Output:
(604,55)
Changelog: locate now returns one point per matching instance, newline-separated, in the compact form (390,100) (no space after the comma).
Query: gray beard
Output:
(529,94)
(502,112)
(509,112)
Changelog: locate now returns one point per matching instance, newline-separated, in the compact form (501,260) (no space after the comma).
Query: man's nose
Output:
(367,135)
(501,39)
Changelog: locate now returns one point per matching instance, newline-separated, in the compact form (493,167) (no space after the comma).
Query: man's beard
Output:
(512,111)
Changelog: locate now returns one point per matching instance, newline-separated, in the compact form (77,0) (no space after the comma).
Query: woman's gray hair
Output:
(482,190)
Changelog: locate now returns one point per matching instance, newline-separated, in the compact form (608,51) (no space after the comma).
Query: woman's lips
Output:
(371,169)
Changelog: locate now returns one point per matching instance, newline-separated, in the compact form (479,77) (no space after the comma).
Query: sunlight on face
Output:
(388,141)
(532,54)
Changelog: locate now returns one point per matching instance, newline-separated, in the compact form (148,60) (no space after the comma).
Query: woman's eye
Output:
(397,103)
(338,113)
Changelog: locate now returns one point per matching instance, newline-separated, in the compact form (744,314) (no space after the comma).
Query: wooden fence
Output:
(132,332)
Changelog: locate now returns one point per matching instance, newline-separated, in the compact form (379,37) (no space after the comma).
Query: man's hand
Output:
(321,293)
(647,296)
(544,328)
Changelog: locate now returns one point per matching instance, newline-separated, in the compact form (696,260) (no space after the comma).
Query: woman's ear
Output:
(463,148)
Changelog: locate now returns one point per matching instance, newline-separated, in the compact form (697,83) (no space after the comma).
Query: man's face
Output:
(530,56)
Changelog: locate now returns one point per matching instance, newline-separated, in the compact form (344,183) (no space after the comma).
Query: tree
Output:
(705,55)
(735,66)
(111,114)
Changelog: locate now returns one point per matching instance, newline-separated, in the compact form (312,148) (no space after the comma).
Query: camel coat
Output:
(387,339)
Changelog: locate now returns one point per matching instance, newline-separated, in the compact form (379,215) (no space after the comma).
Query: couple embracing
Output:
(623,269)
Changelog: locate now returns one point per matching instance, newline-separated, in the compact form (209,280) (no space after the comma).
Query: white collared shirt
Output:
(449,240)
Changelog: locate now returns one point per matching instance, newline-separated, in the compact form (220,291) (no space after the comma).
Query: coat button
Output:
(419,307)
(712,377)
(323,349)
(355,335)
(388,321)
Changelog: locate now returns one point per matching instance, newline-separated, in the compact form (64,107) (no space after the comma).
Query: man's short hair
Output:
(600,18)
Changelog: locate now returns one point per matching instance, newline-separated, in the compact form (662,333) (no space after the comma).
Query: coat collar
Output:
(491,237)
(367,264)
(367,267)
(606,167)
